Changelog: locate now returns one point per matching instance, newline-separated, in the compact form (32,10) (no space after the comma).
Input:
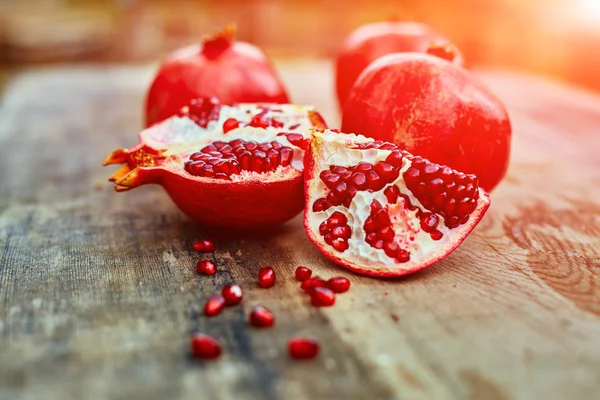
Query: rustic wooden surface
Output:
(98,291)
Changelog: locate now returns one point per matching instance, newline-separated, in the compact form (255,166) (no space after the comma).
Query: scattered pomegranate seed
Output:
(232,294)
(214,305)
(312,283)
(204,347)
(230,124)
(322,297)
(303,348)
(206,267)
(338,284)
(261,317)
(204,246)
(303,274)
(266,277)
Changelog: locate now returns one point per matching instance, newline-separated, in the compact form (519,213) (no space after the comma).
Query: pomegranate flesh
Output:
(249,177)
(380,211)
(434,109)
(233,72)
(371,41)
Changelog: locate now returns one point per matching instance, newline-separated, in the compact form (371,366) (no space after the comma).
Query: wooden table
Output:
(98,292)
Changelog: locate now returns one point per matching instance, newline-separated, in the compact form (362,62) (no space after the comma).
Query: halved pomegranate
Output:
(241,178)
(380,211)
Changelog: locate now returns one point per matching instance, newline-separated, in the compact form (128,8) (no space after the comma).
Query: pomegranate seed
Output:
(206,267)
(232,294)
(261,317)
(230,124)
(323,297)
(266,277)
(214,306)
(303,348)
(338,284)
(204,347)
(204,246)
(303,274)
(312,283)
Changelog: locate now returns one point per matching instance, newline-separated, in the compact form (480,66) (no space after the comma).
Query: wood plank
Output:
(98,293)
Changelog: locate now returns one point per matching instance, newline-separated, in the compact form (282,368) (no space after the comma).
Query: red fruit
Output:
(309,285)
(338,284)
(206,267)
(435,109)
(249,178)
(232,294)
(322,297)
(303,348)
(370,42)
(204,246)
(214,306)
(266,277)
(233,72)
(303,274)
(204,347)
(261,317)
(386,232)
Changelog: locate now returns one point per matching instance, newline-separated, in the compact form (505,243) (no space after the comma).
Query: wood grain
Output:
(98,293)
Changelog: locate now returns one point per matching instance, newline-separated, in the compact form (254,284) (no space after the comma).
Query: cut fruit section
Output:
(378,210)
(239,178)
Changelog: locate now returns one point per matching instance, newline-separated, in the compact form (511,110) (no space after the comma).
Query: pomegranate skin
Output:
(433,109)
(234,72)
(369,42)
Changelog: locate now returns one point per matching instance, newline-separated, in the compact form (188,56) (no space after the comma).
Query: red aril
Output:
(232,294)
(322,297)
(204,347)
(371,41)
(206,267)
(302,274)
(233,72)
(433,109)
(405,215)
(310,284)
(303,348)
(266,277)
(204,246)
(338,284)
(214,306)
(261,317)
(248,178)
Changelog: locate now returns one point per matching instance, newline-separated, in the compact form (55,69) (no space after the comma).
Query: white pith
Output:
(332,149)
(180,136)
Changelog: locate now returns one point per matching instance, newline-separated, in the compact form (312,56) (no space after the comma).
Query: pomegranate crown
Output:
(213,46)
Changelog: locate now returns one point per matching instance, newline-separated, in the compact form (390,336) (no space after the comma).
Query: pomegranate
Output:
(261,317)
(302,274)
(266,277)
(434,109)
(204,347)
(233,72)
(338,284)
(380,211)
(247,178)
(371,41)
(214,306)
(303,348)
(232,294)
(206,267)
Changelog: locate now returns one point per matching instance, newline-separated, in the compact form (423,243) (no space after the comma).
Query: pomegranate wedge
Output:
(380,211)
(235,167)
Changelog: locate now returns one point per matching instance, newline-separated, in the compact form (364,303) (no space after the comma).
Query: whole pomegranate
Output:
(434,109)
(371,41)
(232,167)
(380,211)
(234,72)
